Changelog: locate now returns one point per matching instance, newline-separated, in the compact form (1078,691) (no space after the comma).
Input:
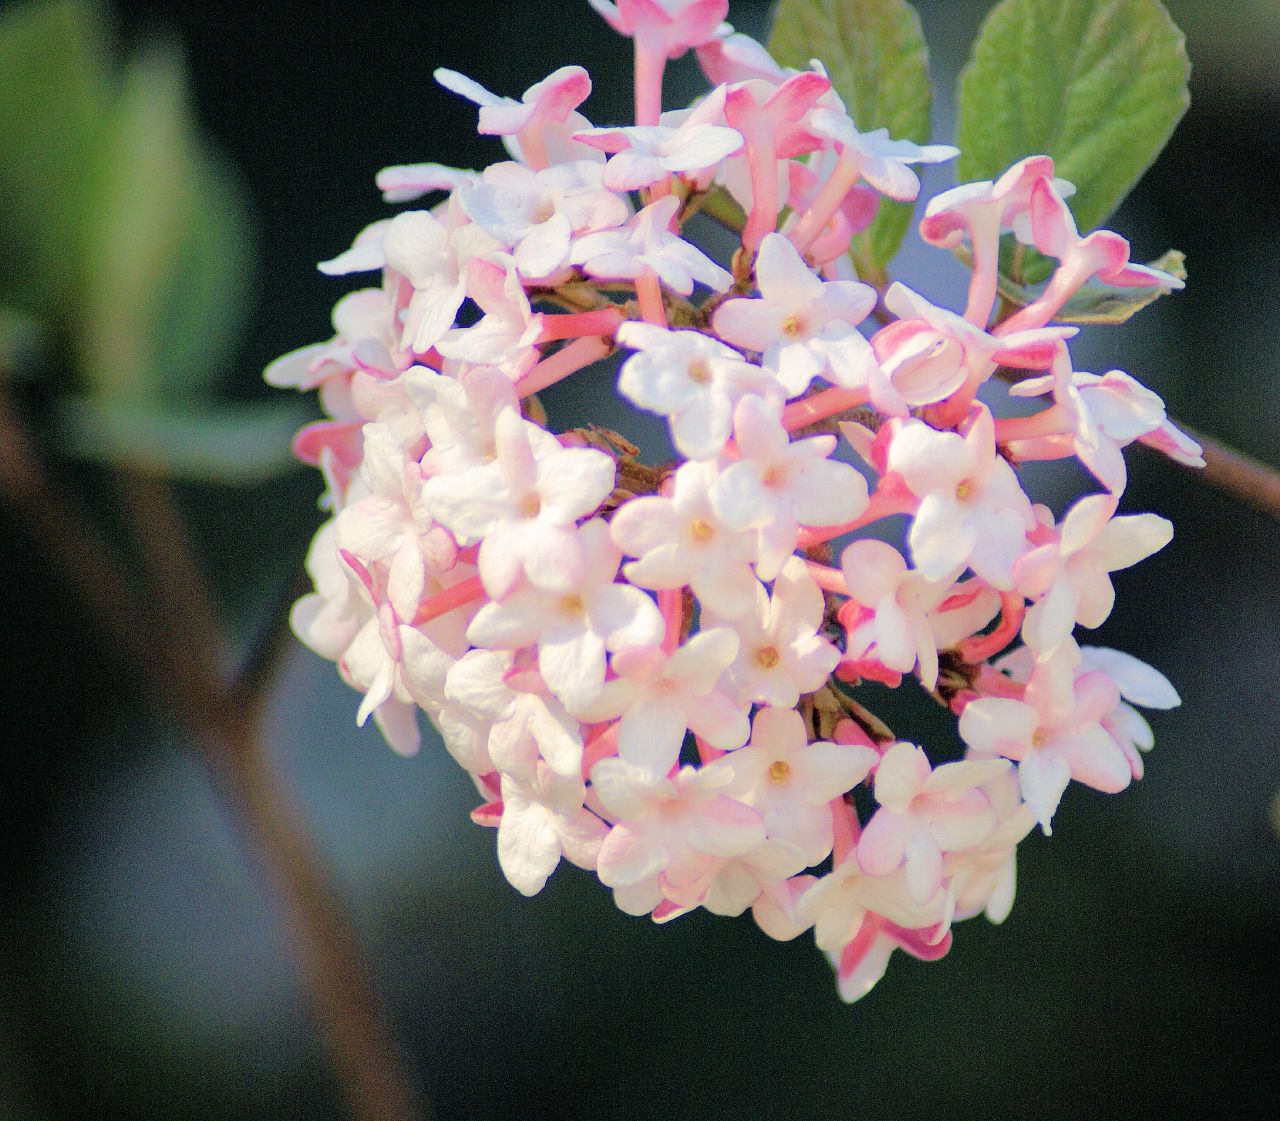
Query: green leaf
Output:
(21,335)
(875,54)
(1097,84)
(231,444)
(722,207)
(204,296)
(54,97)
(143,195)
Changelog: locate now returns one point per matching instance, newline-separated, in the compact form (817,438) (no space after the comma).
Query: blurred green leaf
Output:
(20,337)
(231,444)
(143,203)
(875,54)
(55,92)
(203,301)
(722,207)
(1097,84)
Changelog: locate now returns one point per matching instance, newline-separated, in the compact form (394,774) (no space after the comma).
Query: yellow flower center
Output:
(701,531)
(699,372)
(767,657)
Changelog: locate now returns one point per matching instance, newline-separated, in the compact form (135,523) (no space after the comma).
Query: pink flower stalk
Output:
(1101,254)
(771,120)
(979,213)
(654,666)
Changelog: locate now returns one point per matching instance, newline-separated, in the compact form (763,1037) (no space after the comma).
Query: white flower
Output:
(524,506)
(573,629)
(692,380)
(804,327)
(543,819)
(537,213)
(648,243)
(972,510)
(680,542)
(660,696)
(792,782)
(777,484)
(781,654)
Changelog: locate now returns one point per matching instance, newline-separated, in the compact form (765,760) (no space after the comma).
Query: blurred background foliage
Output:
(169,174)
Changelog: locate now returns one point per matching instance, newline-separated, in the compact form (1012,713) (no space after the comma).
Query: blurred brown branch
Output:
(1238,474)
(169,635)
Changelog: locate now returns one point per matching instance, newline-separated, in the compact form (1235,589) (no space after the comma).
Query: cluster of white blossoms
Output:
(651,670)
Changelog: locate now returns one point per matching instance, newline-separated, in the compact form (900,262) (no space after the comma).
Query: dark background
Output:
(144,971)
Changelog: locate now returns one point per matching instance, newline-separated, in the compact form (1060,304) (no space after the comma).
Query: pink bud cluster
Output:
(652,670)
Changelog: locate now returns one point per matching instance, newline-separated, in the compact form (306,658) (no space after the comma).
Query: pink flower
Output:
(680,541)
(692,380)
(668,26)
(781,655)
(538,213)
(859,920)
(660,696)
(1102,254)
(972,510)
(672,838)
(506,334)
(924,813)
(647,243)
(572,629)
(791,782)
(1070,579)
(1055,733)
(771,116)
(524,725)
(778,484)
(685,143)
(980,212)
(523,507)
(530,124)
(893,626)
(542,820)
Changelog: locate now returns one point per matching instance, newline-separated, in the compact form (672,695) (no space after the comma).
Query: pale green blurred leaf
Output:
(225,443)
(875,54)
(55,92)
(1097,84)
(21,335)
(143,204)
(721,206)
(203,300)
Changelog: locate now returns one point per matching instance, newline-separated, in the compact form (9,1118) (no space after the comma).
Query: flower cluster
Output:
(654,670)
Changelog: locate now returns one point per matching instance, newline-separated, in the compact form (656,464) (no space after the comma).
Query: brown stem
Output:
(353,1026)
(266,650)
(1238,474)
(183,600)
(174,670)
